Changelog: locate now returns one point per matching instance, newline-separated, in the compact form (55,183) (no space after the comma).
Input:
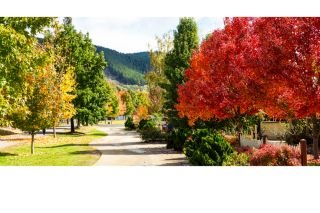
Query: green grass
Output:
(65,150)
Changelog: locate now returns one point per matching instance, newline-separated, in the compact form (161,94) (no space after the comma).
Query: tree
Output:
(218,85)
(17,37)
(112,106)
(64,81)
(129,104)
(287,60)
(122,104)
(91,91)
(62,107)
(156,76)
(176,61)
(35,112)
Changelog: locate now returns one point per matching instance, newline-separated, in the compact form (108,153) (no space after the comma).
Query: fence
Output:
(249,141)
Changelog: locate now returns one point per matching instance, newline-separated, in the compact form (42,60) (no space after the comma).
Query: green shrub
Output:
(147,124)
(236,159)
(207,148)
(129,123)
(297,130)
(152,134)
(177,138)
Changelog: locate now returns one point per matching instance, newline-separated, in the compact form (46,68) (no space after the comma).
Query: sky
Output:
(133,34)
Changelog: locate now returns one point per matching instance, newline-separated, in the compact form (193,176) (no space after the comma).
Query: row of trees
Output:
(43,81)
(254,64)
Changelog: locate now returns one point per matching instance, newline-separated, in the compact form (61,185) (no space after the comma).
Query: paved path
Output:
(4,144)
(125,148)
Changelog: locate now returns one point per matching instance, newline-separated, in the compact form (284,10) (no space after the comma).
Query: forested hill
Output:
(126,68)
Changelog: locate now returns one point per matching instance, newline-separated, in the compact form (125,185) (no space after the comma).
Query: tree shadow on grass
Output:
(4,154)
(65,145)
(97,144)
(69,134)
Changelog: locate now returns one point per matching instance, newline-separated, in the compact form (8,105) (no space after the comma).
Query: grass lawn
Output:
(65,150)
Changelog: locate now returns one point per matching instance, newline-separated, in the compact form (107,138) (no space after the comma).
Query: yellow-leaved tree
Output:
(35,110)
(63,95)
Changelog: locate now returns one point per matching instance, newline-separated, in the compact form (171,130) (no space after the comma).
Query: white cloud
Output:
(126,34)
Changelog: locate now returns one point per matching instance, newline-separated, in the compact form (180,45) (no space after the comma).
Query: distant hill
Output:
(126,68)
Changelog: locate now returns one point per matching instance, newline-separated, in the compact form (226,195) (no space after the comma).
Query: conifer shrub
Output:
(207,148)
(129,123)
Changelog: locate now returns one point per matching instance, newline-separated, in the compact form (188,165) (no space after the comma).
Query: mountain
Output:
(126,68)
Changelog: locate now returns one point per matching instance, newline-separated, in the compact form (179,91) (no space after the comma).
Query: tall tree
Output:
(185,42)
(36,111)
(112,106)
(129,103)
(287,59)
(91,90)
(18,39)
(217,81)
(156,76)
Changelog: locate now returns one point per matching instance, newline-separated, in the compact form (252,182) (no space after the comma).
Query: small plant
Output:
(152,134)
(269,155)
(237,159)
(177,138)
(146,124)
(129,123)
(206,148)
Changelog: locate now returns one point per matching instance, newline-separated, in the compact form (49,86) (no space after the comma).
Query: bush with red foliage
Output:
(270,155)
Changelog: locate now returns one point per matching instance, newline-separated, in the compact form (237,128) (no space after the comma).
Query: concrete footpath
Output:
(125,148)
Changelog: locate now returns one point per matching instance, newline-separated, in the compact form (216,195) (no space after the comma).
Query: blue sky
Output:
(133,34)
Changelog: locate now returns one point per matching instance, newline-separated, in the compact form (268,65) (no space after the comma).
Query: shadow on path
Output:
(133,151)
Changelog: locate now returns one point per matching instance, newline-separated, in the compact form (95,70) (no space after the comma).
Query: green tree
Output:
(112,106)
(176,61)
(91,91)
(129,104)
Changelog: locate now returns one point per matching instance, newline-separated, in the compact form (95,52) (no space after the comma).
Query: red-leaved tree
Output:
(219,84)
(287,64)
(270,64)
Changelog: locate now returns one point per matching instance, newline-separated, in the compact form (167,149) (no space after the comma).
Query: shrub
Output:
(207,148)
(152,134)
(177,138)
(129,123)
(269,155)
(236,159)
(147,124)
(297,130)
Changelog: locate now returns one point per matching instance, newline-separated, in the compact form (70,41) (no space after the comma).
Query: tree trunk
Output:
(44,131)
(72,125)
(315,136)
(259,134)
(78,123)
(32,142)
(54,131)
(67,121)
(239,137)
